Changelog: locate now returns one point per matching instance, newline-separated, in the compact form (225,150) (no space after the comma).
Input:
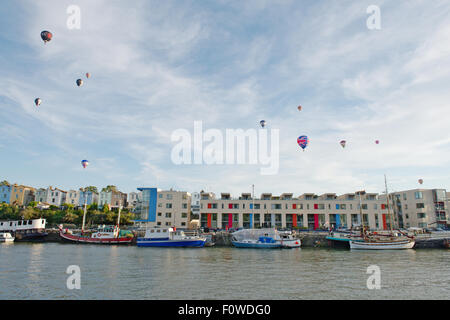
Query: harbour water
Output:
(38,271)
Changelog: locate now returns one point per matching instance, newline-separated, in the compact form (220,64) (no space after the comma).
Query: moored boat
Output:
(103,235)
(169,237)
(381,244)
(25,230)
(261,243)
(6,237)
(264,238)
(288,240)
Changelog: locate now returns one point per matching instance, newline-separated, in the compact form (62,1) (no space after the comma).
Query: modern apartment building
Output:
(421,208)
(159,208)
(195,204)
(311,211)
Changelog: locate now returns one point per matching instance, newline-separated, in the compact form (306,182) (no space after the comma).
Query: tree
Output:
(89,188)
(109,188)
(4,183)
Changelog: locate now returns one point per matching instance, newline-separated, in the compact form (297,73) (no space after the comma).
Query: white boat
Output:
(264,238)
(383,244)
(288,240)
(6,237)
(25,230)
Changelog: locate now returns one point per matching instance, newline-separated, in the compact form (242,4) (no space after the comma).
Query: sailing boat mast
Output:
(253,207)
(360,213)
(84,214)
(388,207)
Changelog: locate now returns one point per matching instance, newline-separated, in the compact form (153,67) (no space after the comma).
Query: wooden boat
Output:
(380,244)
(391,242)
(103,235)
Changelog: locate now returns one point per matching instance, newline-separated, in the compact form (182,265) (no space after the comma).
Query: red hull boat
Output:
(94,239)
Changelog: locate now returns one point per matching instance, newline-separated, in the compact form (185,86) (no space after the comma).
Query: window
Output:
(159,214)
(276,206)
(421,216)
(169,197)
(183,223)
(168,206)
(418,195)
(420,205)
(184,215)
(168,214)
(404,196)
(160,196)
(184,206)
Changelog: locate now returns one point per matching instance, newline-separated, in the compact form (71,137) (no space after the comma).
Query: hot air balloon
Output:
(263,123)
(46,36)
(79,82)
(84,163)
(303,142)
(37,101)
(88,75)
(299,108)
(343,142)
(377,141)
(421,181)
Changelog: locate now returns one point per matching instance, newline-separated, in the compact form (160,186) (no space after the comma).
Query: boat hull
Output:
(398,245)
(238,244)
(79,239)
(191,243)
(291,243)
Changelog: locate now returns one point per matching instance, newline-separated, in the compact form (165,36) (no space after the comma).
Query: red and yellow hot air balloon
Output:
(343,142)
(421,181)
(299,108)
(88,75)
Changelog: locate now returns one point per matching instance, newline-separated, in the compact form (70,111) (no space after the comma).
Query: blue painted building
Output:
(5,193)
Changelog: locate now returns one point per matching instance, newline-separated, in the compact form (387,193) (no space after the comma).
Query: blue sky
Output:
(158,66)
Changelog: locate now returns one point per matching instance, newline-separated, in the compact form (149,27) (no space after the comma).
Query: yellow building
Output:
(21,195)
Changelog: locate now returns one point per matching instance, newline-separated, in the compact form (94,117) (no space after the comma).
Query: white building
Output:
(420,208)
(51,196)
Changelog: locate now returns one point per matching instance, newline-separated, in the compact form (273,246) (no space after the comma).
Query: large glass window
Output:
(418,195)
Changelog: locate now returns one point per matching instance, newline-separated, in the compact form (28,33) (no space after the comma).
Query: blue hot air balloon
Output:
(84,163)
(303,142)
(262,123)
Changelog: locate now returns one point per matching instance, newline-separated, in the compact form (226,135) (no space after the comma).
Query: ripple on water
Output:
(38,271)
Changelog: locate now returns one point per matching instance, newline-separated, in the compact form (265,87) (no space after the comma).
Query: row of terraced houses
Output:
(423,208)
(22,195)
